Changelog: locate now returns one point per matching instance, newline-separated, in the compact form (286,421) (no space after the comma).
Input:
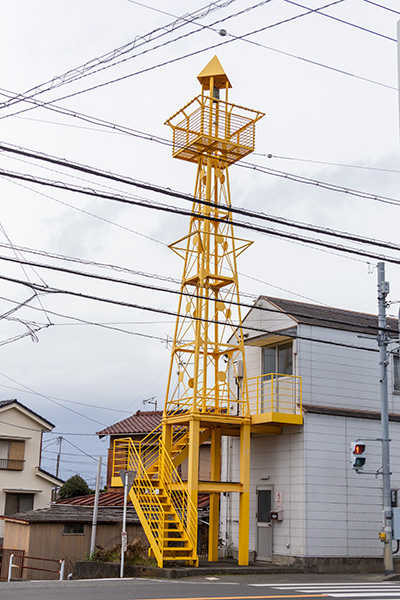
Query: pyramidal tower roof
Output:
(213,69)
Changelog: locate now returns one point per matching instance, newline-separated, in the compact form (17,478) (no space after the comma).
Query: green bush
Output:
(74,486)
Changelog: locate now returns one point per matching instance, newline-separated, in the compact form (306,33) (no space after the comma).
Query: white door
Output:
(264,529)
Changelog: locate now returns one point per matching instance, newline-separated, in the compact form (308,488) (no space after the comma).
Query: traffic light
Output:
(357,455)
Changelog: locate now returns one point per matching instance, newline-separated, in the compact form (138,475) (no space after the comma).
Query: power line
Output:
(318,11)
(108,60)
(9,387)
(80,450)
(156,288)
(245,212)
(48,432)
(396,12)
(325,162)
(162,64)
(44,395)
(174,210)
(175,314)
(147,69)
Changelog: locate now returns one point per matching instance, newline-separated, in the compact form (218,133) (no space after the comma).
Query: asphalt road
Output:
(253,587)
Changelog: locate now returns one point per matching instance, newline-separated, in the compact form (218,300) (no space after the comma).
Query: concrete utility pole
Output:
(95,508)
(383,290)
(58,455)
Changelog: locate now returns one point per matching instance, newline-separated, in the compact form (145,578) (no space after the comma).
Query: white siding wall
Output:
(18,423)
(263,320)
(329,509)
(339,376)
(281,459)
(344,508)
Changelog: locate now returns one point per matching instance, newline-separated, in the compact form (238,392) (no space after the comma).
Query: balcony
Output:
(10,464)
(275,398)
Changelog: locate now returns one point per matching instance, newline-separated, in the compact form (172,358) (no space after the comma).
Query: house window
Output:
(396,372)
(278,359)
(12,455)
(74,529)
(16,503)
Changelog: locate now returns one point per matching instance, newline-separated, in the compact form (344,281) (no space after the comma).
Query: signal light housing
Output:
(358,459)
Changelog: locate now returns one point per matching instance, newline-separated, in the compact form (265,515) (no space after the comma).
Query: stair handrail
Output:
(182,502)
(143,487)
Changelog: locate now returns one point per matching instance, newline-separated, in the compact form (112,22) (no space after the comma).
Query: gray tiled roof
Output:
(63,513)
(141,422)
(327,316)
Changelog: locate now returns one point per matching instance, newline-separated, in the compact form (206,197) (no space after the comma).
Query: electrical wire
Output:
(80,450)
(324,162)
(160,289)
(140,72)
(108,60)
(9,387)
(159,65)
(164,311)
(49,397)
(396,12)
(318,11)
(245,212)
(174,210)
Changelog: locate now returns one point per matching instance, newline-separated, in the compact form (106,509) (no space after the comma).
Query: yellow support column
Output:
(244,501)
(193,469)
(215,473)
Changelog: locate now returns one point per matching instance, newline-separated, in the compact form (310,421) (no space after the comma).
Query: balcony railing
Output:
(275,398)
(11,464)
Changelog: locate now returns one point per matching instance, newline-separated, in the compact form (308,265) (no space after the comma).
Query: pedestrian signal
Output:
(358,459)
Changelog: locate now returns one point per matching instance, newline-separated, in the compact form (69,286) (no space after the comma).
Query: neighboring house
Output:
(63,532)
(323,508)
(24,485)
(137,427)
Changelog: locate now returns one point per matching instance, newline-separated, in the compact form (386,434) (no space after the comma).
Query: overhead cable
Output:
(82,295)
(107,60)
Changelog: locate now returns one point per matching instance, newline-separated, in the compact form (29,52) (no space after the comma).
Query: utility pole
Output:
(59,439)
(95,508)
(383,290)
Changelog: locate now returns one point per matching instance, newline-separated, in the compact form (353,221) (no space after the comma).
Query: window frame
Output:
(276,346)
(19,495)
(72,525)
(396,371)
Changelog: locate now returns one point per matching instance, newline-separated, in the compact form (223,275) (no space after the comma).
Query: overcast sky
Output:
(328,88)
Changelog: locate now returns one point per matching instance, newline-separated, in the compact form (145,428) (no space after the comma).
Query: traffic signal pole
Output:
(383,290)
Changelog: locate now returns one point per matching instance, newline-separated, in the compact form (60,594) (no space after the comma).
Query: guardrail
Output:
(22,566)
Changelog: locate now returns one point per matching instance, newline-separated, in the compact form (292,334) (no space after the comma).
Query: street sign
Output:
(131,477)
(124,541)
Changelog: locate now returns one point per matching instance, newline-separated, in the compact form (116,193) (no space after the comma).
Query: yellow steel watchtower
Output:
(207,394)
(208,342)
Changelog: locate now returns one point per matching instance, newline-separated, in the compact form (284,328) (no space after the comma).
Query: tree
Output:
(74,486)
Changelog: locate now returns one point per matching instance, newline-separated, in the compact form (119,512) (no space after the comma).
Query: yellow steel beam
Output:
(193,471)
(280,418)
(244,499)
(210,487)
(183,454)
(215,473)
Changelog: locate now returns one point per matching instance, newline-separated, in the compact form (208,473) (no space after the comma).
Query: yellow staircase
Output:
(166,511)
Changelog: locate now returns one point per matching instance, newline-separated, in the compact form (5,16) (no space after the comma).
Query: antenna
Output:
(152,400)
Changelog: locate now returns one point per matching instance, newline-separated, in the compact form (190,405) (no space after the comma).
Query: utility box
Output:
(276,515)
(396,523)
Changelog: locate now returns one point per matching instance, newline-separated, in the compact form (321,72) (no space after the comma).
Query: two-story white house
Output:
(24,485)
(324,362)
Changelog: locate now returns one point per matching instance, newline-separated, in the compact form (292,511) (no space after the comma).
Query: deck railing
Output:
(275,393)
